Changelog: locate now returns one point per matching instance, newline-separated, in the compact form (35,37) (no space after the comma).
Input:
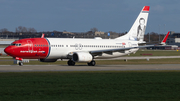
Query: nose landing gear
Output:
(20,63)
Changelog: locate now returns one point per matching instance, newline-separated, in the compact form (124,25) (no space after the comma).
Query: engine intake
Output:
(82,57)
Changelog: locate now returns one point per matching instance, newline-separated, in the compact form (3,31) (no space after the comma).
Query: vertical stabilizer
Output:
(165,38)
(137,31)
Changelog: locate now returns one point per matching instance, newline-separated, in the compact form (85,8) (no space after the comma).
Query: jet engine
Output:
(47,60)
(82,57)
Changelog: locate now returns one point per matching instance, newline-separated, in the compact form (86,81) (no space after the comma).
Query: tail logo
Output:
(141,29)
(137,31)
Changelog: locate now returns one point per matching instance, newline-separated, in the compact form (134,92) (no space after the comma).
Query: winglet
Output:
(165,38)
(42,35)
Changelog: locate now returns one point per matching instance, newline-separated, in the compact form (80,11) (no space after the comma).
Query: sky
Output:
(82,15)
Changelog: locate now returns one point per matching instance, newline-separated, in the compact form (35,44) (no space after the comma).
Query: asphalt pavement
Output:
(37,68)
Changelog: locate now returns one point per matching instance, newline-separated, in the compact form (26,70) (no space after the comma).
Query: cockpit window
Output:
(17,44)
(12,44)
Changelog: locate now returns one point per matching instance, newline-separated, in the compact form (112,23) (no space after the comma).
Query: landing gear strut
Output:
(92,63)
(71,63)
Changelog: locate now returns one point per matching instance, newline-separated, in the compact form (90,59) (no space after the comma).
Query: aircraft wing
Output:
(110,51)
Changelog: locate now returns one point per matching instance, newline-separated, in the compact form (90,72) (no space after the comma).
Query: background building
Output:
(99,33)
(173,39)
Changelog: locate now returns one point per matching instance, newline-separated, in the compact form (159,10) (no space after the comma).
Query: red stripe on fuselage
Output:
(32,48)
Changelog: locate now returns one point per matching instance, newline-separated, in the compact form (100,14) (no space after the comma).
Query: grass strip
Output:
(91,86)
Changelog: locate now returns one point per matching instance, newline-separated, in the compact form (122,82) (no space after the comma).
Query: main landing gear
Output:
(72,63)
(92,63)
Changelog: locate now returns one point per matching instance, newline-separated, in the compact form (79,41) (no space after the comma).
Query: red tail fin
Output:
(165,38)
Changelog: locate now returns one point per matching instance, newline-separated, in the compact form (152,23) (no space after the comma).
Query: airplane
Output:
(78,49)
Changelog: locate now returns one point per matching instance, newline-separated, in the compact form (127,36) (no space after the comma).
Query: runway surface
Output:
(144,57)
(36,68)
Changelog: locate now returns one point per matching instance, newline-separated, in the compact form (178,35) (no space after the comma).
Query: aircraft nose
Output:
(8,50)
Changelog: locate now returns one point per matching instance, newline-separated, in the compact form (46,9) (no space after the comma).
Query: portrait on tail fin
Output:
(137,31)
(141,29)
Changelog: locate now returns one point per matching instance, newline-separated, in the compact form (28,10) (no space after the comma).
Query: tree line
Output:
(24,32)
(20,29)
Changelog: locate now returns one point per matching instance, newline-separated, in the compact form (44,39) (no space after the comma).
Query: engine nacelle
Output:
(82,57)
(47,60)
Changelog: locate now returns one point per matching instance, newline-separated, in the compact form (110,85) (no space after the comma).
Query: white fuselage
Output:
(60,48)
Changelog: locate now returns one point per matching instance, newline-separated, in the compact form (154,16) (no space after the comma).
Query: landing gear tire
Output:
(20,63)
(71,63)
(92,63)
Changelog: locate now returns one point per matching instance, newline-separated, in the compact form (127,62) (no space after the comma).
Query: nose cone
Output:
(8,50)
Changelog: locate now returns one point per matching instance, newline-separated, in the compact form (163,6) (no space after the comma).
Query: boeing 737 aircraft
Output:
(80,50)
